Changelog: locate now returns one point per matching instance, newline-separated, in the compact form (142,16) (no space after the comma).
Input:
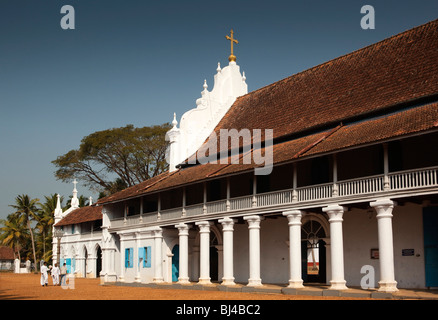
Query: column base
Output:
(183,280)
(228,282)
(388,286)
(338,285)
(296,284)
(158,280)
(121,279)
(204,281)
(137,279)
(254,283)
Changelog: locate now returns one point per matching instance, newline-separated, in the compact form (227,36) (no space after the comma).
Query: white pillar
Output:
(122,259)
(384,208)
(136,262)
(183,253)
(204,234)
(158,263)
(335,213)
(295,272)
(228,253)
(254,250)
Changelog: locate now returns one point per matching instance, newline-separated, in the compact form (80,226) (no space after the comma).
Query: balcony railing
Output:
(398,181)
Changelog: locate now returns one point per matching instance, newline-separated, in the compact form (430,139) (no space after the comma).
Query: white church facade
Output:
(352,197)
(77,237)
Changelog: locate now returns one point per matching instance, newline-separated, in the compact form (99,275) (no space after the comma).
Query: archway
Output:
(313,252)
(214,257)
(98,261)
(85,261)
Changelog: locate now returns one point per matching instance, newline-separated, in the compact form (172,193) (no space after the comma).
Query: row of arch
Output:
(315,230)
(85,262)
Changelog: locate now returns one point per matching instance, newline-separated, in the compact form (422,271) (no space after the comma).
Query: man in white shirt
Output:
(44,275)
(55,275)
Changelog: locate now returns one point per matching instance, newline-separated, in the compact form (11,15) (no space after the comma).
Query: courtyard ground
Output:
(27,287)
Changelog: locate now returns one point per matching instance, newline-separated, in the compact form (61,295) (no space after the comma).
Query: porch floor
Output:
(309,289)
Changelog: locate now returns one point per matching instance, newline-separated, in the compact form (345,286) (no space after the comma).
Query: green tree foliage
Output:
(26,210)
(113,159)
(13,234)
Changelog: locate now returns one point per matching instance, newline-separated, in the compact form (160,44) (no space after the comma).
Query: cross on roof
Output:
(232,40)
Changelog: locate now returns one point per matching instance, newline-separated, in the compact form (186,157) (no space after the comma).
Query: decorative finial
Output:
(58,209)
(174,122)
(90,201)
(205,84)
(244,77)
(218,67)
(232,57)
(75,201)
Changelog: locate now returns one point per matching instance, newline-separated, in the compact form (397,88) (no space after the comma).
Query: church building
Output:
(329,176)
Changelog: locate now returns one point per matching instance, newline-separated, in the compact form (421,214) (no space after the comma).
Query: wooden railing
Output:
(403,180)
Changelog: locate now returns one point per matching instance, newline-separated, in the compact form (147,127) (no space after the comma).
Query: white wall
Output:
(360,236)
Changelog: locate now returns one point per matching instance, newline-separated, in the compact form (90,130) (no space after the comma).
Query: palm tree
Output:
(26,209)
(13,234)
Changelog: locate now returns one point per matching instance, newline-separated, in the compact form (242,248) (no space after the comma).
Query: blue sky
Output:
(136,62)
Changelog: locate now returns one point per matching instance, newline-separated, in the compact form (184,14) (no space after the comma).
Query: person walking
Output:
(63,273)
(44,276)
(55,275)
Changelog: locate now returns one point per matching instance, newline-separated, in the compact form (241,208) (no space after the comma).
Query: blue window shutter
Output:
(148,257)
(131,257)
(140,256)
(127,258)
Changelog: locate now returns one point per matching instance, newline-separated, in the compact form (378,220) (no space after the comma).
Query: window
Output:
(129,257)
(144,257)
(72,229)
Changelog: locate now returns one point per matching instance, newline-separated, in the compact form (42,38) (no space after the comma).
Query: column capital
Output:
(183,229)
(253,221)
(383,207)
(227,223)
(157,232)
(294,217)
(335,212)
(204,226)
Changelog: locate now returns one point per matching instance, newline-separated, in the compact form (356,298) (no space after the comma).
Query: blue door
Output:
(430,227)
(175,263)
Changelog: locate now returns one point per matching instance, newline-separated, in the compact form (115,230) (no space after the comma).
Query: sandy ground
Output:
(27,287)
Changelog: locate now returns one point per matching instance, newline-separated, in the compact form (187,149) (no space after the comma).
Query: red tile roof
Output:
(83,214)
(307,110)
(396,70)
(6,253)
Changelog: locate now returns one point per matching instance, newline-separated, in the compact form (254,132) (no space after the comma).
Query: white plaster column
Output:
(228,253)
(295,272)
(183,253)
(204,234)
(335,213)
(122,259)
(254,250)
(158,256)
(384,209)
(136,262)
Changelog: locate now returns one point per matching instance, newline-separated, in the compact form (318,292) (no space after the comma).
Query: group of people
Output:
(58,274)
